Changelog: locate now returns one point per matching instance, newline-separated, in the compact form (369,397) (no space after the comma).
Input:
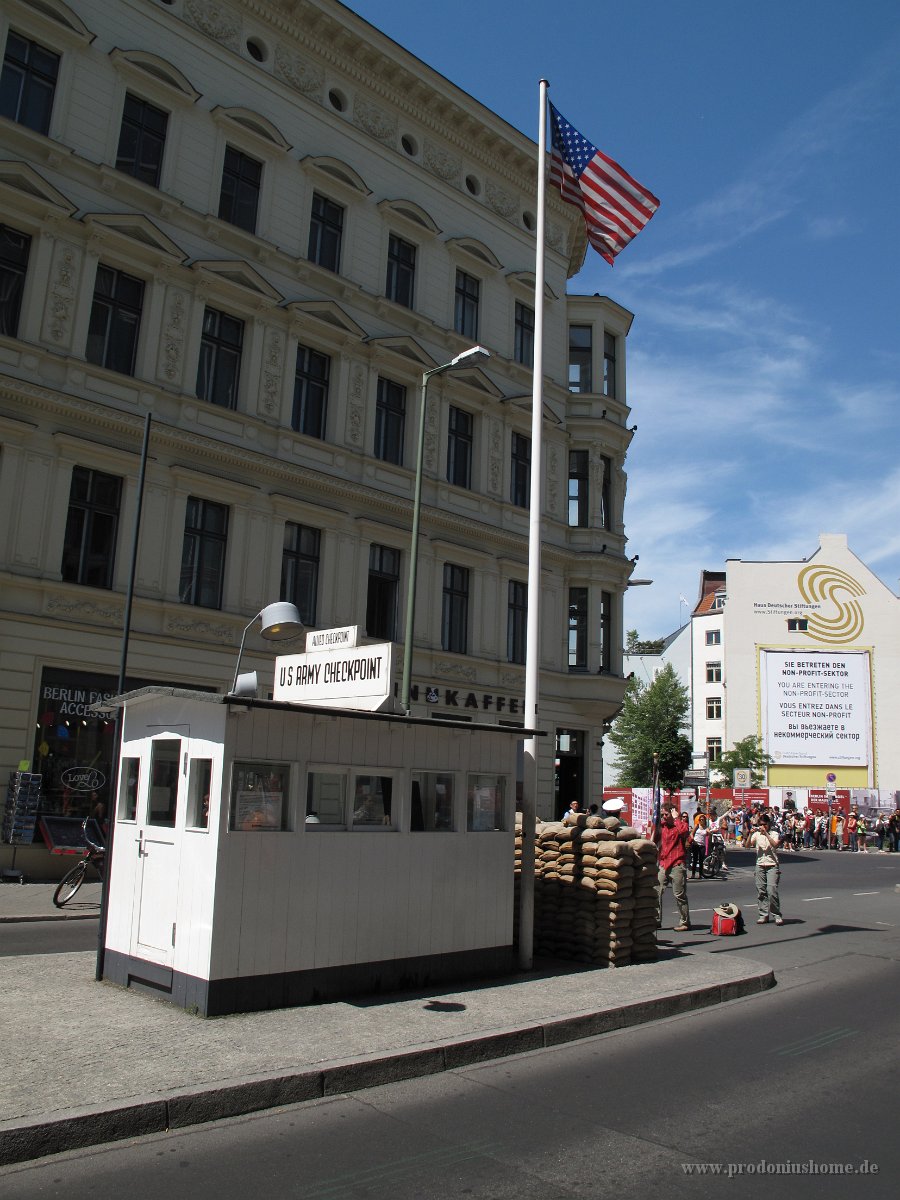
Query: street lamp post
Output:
(461,360)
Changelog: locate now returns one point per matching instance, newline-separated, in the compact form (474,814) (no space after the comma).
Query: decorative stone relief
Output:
(212,629)
(512,679)
(431,435)
(502,202)
(61,295)
(555,237)
(215,19)
(299,73)
(272,374)
(440,162)
(356,406)
(495,458)
(375,121)
(84,610)
(552,477)
(455,671)
(174,332)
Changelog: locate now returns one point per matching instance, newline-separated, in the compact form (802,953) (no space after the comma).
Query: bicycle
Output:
(715,860)
(94,856)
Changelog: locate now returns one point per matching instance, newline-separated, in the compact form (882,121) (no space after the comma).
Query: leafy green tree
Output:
(652,720)
(747,753)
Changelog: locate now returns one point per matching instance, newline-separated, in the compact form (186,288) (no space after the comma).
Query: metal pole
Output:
(123,663)
(533,629)
(414,549)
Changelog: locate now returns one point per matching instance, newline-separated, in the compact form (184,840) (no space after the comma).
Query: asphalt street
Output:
(792,1085)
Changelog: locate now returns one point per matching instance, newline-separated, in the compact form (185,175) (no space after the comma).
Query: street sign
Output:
(742,777)
(691,777)
(358,678)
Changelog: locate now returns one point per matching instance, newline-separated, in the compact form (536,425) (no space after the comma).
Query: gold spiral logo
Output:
(831,587)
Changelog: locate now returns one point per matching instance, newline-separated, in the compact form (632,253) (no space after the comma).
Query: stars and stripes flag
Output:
(615,206)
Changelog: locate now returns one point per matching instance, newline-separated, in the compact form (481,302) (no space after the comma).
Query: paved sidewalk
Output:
(97,1063)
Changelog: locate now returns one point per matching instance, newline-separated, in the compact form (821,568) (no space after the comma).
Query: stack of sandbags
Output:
(595,899)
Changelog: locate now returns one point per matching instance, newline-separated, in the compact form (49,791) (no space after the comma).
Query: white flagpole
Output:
(533,631)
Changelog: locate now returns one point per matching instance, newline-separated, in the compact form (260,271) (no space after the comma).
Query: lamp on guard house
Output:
(279,622)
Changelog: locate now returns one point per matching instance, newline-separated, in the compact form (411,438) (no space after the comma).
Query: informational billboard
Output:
(816,706)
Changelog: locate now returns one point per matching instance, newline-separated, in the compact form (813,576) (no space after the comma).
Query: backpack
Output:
(727,920)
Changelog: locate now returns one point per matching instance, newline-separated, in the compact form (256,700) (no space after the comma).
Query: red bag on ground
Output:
(727,920)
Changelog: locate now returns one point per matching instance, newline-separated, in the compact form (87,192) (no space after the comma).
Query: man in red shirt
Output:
(672,838)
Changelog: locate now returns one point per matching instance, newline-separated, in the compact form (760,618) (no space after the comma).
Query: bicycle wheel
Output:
(709,866)
(70,884)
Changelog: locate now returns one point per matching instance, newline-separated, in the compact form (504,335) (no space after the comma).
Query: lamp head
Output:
(467,355)
(280,622)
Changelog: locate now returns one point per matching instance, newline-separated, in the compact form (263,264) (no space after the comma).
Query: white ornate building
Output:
(261,221)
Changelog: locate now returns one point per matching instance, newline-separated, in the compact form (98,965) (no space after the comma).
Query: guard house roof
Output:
(246,702)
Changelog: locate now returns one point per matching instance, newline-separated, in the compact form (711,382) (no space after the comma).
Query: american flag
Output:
(615,206)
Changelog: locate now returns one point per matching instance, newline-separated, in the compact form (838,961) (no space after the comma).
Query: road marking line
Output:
(816,1042)
(887,923)
(809,899)
(865,893)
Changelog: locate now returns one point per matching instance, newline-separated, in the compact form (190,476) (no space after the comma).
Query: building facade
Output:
(805,655)
(261,223)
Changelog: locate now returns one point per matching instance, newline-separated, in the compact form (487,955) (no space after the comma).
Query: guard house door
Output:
(157,847)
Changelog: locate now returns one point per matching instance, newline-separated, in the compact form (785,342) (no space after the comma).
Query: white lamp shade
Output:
(280,621)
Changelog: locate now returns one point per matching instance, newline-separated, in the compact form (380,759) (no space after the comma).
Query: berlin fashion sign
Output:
(360,677)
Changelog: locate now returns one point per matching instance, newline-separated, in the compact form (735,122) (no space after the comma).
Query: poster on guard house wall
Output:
(816,706)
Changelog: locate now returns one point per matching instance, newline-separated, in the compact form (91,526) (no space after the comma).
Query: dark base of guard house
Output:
(289,989)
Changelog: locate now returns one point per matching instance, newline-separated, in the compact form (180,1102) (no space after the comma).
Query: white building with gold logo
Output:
(808,658)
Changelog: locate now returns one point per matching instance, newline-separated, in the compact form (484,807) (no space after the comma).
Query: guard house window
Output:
(401,271)
(797,624)
(165,764)
(485,796)
(239,198)
(384,585)
(142,139)
(300,569)
(713,749)
(578,488)
(129,785)
(326,232)
(14,250)
(516,621)
(432,802)
(219,369)
(260,797)
(606,602)
(713,672)
(465,313)
(523,347)
(455,610)
(520,474)
(203,553)
(578,628)
(199,789)
(609,365)
(459,447)
(606,492)
(714,637)
(714,708)
(580,355)
(390,421)
(115,320)
(310,392)
(89,547)
(372,801)
(28,82)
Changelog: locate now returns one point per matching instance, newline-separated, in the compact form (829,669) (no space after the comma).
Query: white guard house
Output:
(269,854)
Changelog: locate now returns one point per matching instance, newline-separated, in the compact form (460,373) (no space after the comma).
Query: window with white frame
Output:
(432,802)
(260,797)
(714,708)
(351,798)
(714,637)
(485,803)
(713,672)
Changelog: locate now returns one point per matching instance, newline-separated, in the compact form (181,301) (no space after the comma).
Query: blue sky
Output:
(764,359)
